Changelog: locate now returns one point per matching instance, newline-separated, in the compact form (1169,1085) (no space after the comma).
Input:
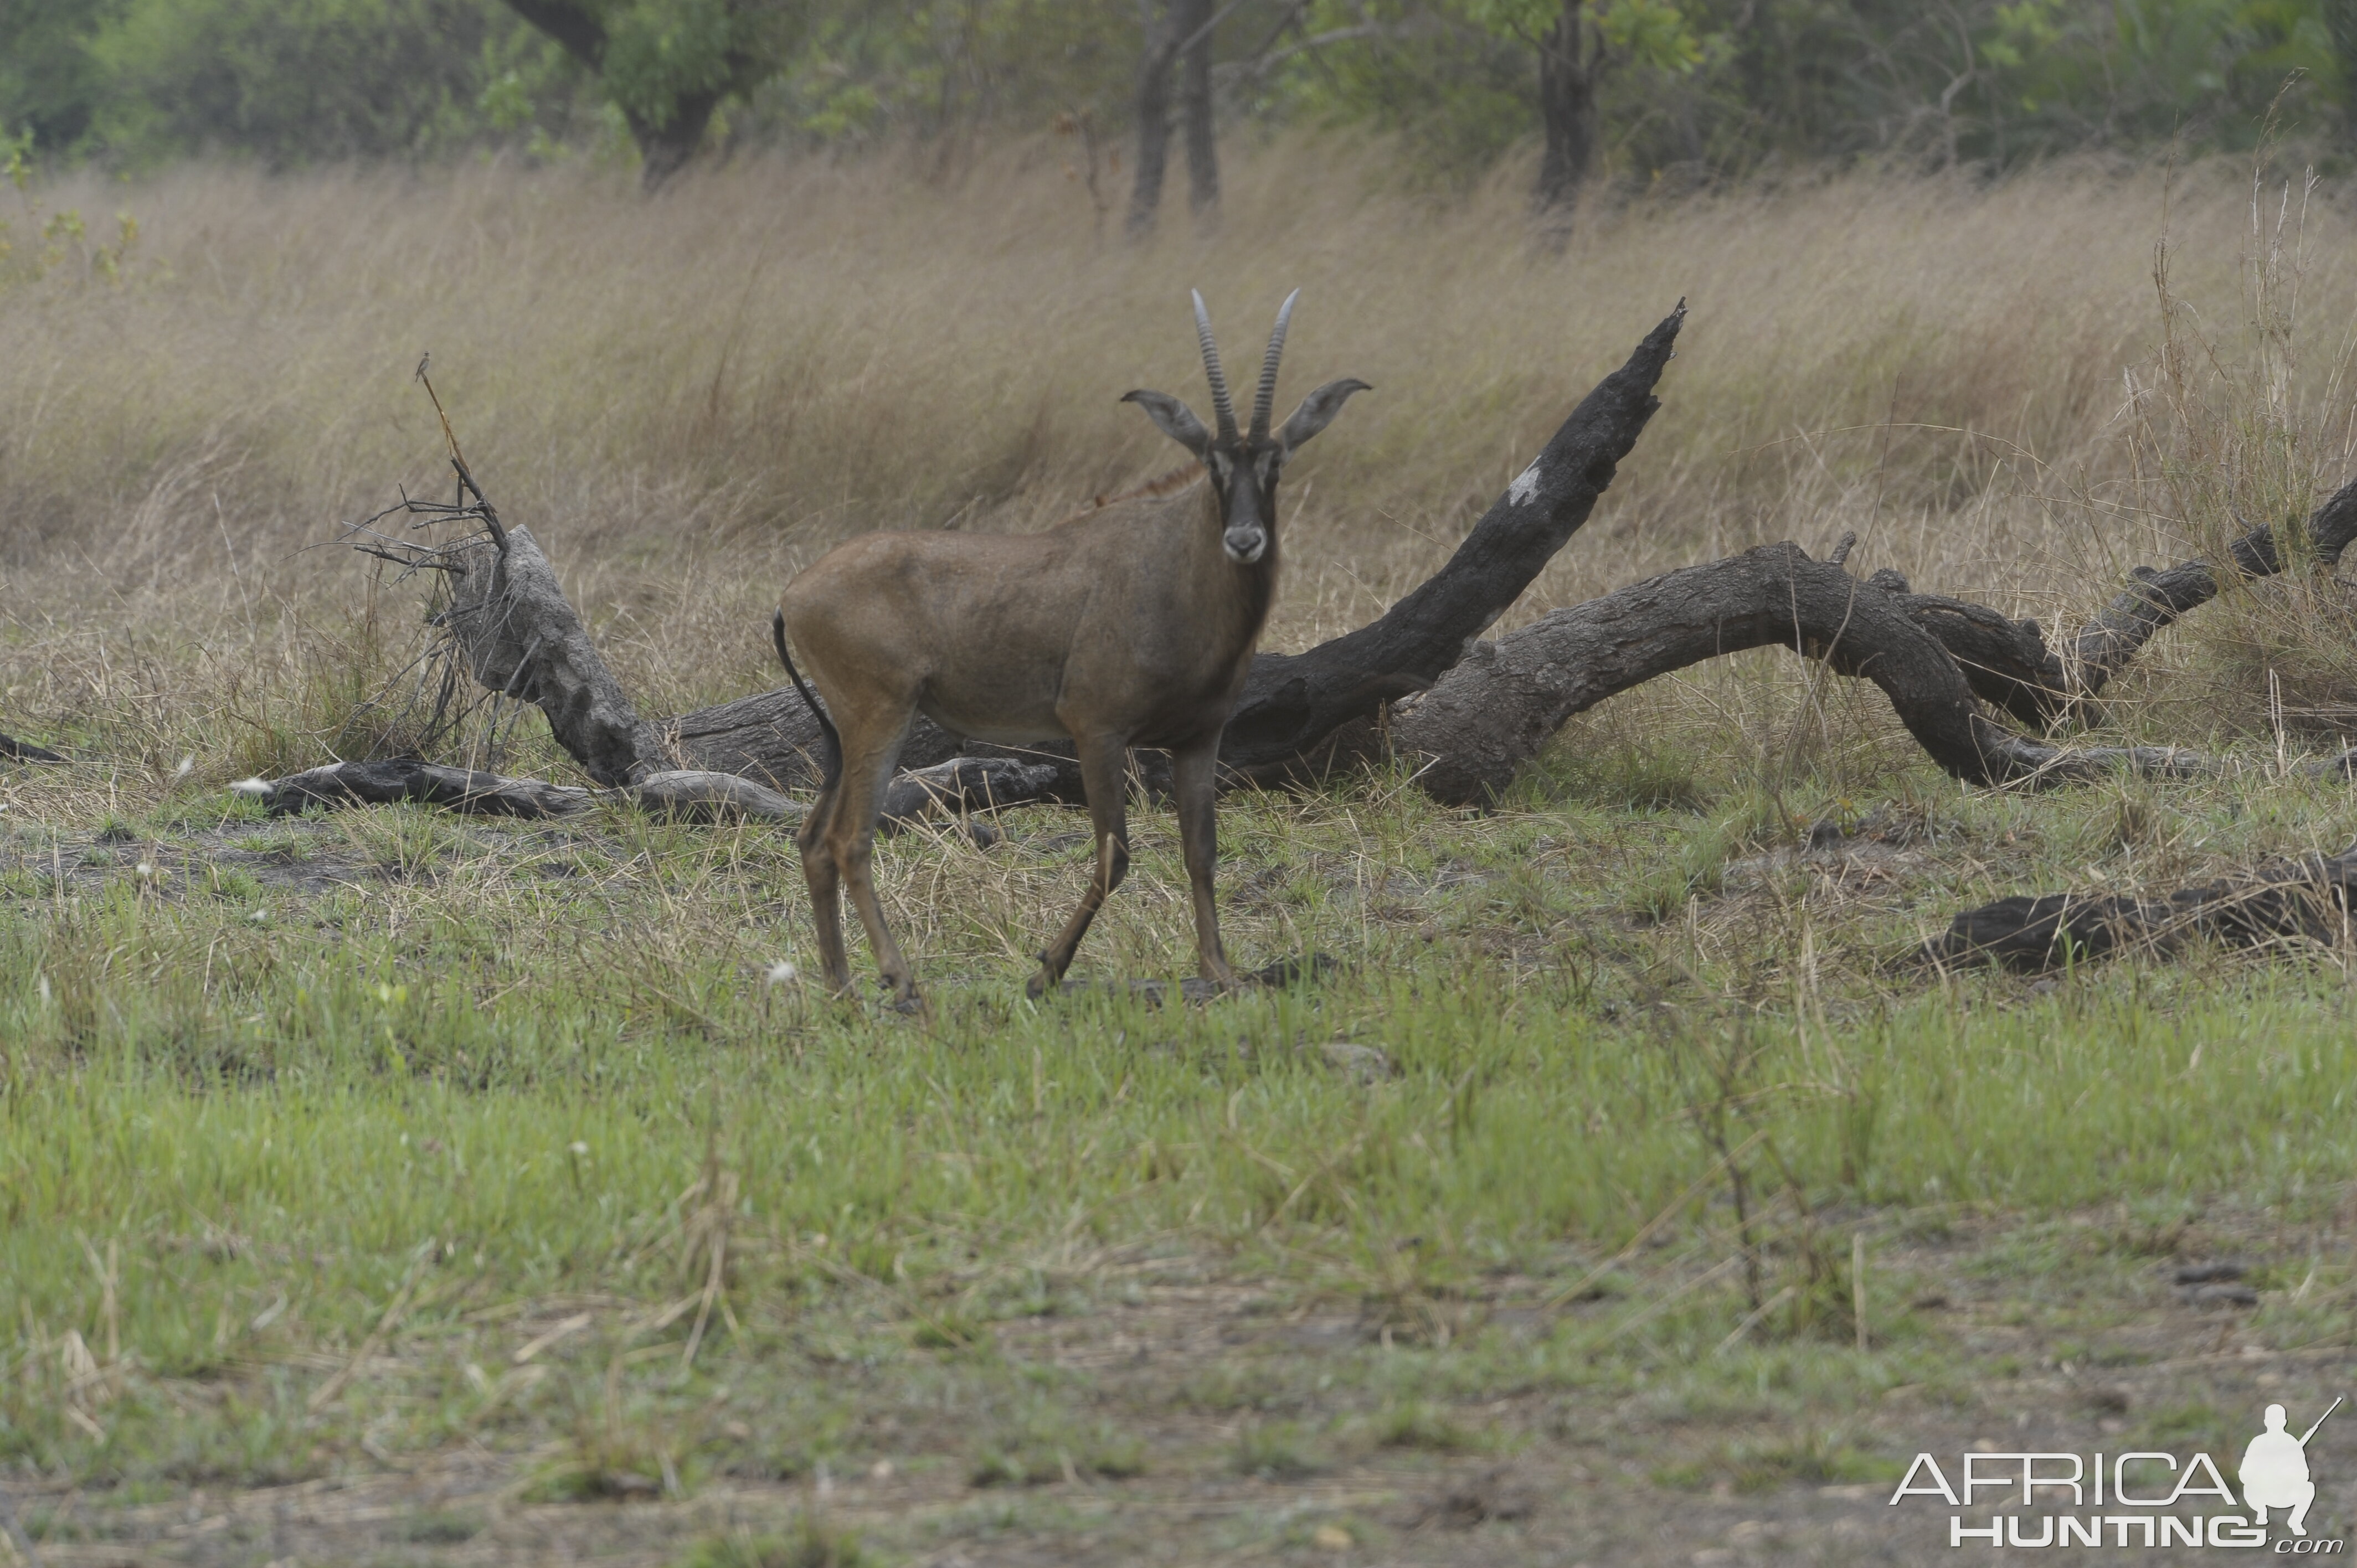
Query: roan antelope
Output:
(1129,626)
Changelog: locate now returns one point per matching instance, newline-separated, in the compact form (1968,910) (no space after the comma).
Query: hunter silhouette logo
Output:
(2274,1471)
(2143,1498)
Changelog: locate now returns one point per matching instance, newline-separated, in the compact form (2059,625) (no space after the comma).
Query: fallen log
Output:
(1482,721)
(2005,662)
(951,790)
(2307,901)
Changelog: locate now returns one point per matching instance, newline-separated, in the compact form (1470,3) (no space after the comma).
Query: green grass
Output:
(303,1191)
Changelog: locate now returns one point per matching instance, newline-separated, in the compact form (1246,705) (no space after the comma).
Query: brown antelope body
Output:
(1131,625)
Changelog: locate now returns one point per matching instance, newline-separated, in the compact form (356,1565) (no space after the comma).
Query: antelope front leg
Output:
(1194,777)
(1101,769)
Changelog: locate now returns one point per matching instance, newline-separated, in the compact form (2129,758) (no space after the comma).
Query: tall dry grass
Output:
(687,398)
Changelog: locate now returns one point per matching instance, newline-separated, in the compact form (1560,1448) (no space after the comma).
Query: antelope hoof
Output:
(1043,980)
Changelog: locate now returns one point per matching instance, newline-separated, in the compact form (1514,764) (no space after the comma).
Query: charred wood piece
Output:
(2011,667)
(2307,899)
(965,784)
(428,783)
(952,790)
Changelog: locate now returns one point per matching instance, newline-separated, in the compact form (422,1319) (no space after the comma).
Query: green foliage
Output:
(48,83)
(658,54)
(291,82)
(1707,87)
(1722,86)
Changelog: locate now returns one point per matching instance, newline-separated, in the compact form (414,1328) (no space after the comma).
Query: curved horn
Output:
(1265,402)
(1220,403)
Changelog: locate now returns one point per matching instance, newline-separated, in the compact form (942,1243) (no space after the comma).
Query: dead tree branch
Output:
(1490,715)
(2155,600)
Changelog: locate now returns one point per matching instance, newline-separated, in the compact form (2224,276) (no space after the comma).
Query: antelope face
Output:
(1245,466)
(1245,484)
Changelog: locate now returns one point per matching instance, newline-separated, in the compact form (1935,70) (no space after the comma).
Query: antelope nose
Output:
(1244,545)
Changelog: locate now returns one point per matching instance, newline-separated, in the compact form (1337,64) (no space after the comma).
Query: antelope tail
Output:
(832,763)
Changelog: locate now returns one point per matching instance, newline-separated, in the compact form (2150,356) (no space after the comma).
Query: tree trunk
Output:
(1153,119)
(1567,78)
(664,149)
(2340,26)
(1195,99)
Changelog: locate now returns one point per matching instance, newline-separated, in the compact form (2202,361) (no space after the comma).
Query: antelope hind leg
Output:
(1194,780)
(851,838)
(1102,762)
(826,879)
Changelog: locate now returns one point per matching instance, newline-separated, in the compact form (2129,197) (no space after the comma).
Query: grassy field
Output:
(389,1187)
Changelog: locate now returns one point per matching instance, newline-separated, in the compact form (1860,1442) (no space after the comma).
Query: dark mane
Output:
(1172,483)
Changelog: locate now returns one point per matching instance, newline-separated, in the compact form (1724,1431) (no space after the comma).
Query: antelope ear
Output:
(1174,419)
(1316,412)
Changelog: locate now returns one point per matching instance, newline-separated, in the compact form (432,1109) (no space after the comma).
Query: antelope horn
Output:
(1263,404)
(1220,403)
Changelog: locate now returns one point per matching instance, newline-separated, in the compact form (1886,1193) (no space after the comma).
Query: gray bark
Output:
(953,789)
(1490,715)
(1194,25)
(1153,115)
(522,638)
(428,783)
(2155,599)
